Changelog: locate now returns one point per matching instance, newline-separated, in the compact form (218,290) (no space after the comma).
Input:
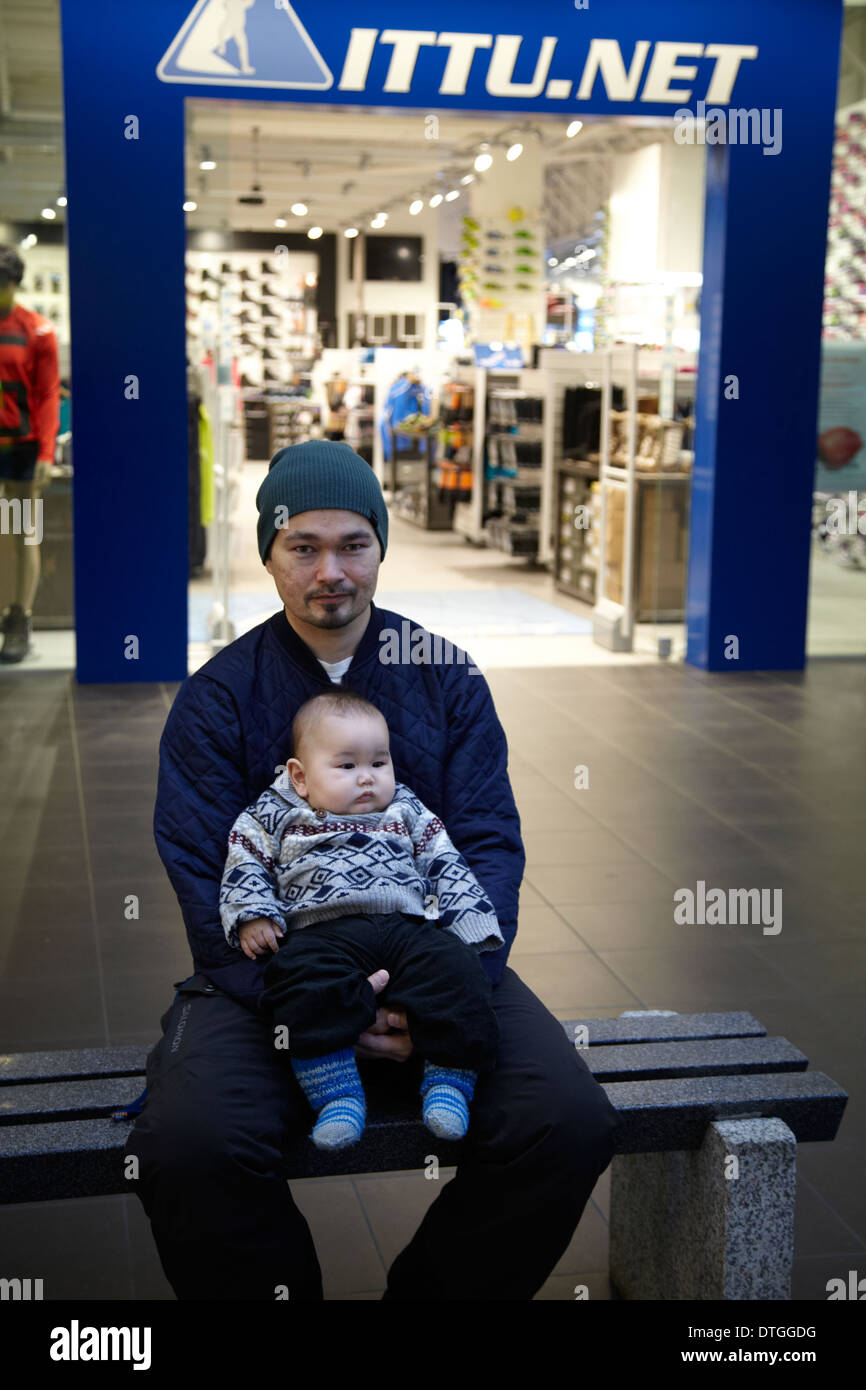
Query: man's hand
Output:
(257,936)
(42,472)
(389,1036)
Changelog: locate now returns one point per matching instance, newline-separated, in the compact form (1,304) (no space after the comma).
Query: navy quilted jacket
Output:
(228,733)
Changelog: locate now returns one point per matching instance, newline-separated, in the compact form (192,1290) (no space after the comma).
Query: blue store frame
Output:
(127,70)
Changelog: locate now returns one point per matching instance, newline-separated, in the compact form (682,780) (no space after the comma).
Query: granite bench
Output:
(702,1184)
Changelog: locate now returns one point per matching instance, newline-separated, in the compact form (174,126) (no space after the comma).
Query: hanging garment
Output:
(197,540)
(30,395)
(406,397)
(206,465)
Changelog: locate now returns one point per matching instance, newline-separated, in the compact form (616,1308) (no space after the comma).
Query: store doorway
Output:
(345,273)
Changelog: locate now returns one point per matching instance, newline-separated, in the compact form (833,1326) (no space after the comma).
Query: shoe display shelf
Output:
(514,440)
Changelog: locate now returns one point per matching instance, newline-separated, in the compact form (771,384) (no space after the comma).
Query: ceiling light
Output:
(455,193)
(280,222)
(483,161)
(28,241)
(515,152)
(351,232)
(206,161)
(49,214)
(314,233)
(299,209)
(62,201)
(379,220)
(467,178)
(416,207)
(573,128)
(189,206)
(435,200)
(551,260)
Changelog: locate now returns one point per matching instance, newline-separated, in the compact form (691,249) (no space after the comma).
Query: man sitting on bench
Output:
(221,1103)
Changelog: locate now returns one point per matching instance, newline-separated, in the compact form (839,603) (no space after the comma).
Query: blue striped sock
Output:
(446,1093)
(332,1085)
(340,1122)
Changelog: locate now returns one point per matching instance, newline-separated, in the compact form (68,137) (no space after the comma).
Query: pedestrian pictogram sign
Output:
(256,43)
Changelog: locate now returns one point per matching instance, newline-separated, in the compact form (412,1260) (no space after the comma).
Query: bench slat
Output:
(93,1097)
(663,1115)
(18,1067)
(676,1027)
(80,1158)
(84,1158)
(69,1100)
(708,1057)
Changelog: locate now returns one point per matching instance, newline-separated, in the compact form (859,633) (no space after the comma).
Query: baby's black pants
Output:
(317,986)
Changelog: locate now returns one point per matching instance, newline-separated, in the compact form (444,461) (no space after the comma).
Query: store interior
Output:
(502,316)
(367,329)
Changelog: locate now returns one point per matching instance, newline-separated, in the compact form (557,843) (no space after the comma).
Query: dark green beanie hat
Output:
(318,474)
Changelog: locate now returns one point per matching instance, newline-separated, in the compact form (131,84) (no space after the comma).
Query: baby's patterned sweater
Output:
(298,867)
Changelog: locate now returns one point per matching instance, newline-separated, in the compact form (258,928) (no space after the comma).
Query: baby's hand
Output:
(259,934)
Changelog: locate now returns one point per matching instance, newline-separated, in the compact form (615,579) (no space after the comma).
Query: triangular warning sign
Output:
(245,43)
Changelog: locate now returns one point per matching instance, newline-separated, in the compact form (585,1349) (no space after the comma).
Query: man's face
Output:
(325,565)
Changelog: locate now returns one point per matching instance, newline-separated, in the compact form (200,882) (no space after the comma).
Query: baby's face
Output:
(345,765)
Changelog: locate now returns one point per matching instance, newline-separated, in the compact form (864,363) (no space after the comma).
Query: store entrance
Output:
(466,301)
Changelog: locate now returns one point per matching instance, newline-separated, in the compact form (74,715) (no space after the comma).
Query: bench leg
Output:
(711,1223)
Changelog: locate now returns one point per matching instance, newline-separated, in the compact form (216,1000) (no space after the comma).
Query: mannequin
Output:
(29,420)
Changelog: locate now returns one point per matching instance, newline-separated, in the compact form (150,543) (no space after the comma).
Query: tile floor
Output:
(738,780)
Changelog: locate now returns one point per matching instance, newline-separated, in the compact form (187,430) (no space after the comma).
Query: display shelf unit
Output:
(563,432)
(642,531)
(514,457)
(360,424)
(613,426)
(292,420)
(274,422)
(273,318)
(45,290)
(493,516)
(467,520)
(414,493)
(660,552)
(257,427)
(583,372)
(456,438)
(575,564)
